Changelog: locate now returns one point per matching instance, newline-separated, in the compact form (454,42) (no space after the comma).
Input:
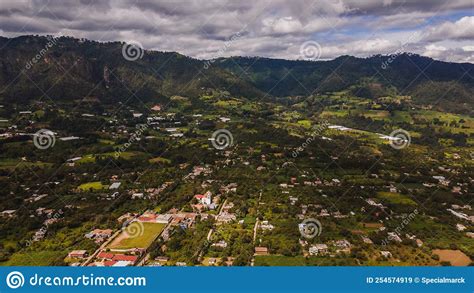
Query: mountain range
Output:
(66,68)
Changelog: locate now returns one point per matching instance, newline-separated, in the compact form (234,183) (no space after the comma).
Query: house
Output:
(293,200)
(419,243)
(99,235)
(77,254)
(386,254)
(138,195)
(69,138)
(318,249)
(260,250)
(162,259)
(460,215)
(40,234)
(105,255)
(226,217)
(343,245)
(324,213)
(156,108)
(164,218)
(212,261)
(8,213)
(184,220)
(394,237)
(115,185)
(264,225)
(205,198)
(367,240)
(460,227)
(122,263)
(220,244)
(128,258)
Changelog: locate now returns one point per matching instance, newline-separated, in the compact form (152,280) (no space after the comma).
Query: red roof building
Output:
(123,257)
(105,255)
(109,263)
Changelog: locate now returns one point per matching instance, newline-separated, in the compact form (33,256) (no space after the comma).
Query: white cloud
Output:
(269,28)
(463,29)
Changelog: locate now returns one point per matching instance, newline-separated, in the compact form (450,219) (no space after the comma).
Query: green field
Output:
(34,258)
(158,160)
(395,198)
(92,157)
(137,235)
(281,260)
(96,185)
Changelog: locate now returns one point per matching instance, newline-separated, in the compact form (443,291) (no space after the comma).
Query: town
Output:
(154,185)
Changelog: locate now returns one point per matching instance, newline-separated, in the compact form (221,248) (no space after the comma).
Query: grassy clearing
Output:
(144,234)
(34,258)
(305,123)
(159,160)
(376,114)
(336,113)
(91,158)
(96,185)
(396,198)
(455,257)
(281,260)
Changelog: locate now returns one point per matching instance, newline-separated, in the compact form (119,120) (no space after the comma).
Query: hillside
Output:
(72,69)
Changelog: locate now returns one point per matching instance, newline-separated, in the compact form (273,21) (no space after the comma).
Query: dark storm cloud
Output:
(271,28)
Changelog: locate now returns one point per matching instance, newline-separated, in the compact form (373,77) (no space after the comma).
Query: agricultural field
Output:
(137,235)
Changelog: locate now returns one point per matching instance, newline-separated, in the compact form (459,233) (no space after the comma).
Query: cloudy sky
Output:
(292,29)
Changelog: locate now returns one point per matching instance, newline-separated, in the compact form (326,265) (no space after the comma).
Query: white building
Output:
(318,249)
